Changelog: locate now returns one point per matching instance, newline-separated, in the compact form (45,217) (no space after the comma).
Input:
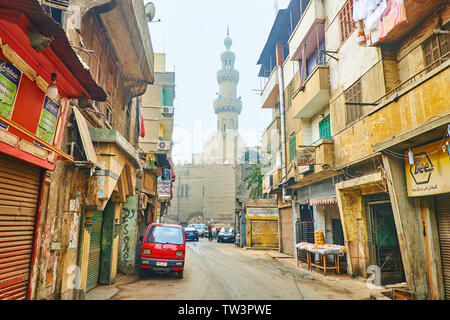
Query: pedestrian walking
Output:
(210,232)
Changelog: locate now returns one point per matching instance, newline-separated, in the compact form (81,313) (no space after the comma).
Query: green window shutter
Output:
(292,144)
(324,128)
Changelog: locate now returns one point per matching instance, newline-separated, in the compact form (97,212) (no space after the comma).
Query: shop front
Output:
(417,169)
(261,225)
(37,79)
(428,181)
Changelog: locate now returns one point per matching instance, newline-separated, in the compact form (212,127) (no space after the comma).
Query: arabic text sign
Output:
(429,175)
(9,83)
(306,156)
(262,212)
(48,121)
(163,189)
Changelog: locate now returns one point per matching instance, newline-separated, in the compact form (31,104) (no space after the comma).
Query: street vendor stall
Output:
(323,250)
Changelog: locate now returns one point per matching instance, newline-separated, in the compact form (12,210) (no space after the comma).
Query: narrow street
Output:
(221,271)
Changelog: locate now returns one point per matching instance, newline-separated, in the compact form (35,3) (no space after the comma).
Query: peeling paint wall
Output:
(128,236)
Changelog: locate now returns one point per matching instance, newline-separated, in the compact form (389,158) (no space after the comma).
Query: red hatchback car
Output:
(163,249)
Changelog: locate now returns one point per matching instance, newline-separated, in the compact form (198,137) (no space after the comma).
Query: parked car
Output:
(226,235)
(163,249)
(200,227)
(191,234)
(216,232)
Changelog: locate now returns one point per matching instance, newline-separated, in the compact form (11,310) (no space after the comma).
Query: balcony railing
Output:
(315,95)
(270,93)
(315,163)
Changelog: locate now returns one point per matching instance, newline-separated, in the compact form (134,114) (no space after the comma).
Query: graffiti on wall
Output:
(126,219)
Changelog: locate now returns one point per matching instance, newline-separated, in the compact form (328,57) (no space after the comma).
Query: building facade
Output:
(371,102)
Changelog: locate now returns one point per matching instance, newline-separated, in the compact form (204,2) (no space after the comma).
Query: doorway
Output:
(383,243)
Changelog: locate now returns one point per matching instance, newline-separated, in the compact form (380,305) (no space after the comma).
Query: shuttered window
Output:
(436,50)
(324,127)
(19,199)
(346,23)
(292,148)
(353,111)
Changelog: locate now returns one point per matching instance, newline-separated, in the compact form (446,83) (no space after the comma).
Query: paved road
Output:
(222,271)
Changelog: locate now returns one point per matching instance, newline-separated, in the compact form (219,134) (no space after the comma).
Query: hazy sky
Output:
(191,33)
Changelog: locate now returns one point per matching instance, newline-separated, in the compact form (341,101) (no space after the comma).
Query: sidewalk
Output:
(357,285)
(106,292)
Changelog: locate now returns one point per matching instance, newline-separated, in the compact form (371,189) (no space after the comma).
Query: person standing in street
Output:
(209,232)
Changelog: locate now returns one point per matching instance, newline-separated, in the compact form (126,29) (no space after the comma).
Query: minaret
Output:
(227,106)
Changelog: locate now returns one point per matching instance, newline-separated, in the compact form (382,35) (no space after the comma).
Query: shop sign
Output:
(262,212)
(305,169)
(48,121)
(429,175)
(306,156)
(163,189)
(9,84)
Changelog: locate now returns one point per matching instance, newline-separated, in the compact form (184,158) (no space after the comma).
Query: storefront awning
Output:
(60,44)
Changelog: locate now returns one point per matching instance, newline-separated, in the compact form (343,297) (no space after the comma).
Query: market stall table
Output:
(323,251)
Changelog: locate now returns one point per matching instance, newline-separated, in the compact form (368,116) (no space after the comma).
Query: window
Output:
(353,111)
(127,120)
(109,115)
(181,189)
(292,147)
(346,20)
(164,234)
(434,49)
(186,191)
(324,128)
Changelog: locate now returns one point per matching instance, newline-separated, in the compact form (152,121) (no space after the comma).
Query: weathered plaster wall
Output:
(128,236)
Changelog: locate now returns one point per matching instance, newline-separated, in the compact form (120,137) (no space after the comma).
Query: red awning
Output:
(60,44)
(328,200)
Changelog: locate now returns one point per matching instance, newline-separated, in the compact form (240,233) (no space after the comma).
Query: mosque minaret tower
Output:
(228,106)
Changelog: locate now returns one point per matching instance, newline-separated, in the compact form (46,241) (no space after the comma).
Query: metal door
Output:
(19,200)
(385,250)
(264,233)
(443,221)
(94,250)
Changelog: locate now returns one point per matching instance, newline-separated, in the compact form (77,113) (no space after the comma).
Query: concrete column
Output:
(294,219)
(410,229)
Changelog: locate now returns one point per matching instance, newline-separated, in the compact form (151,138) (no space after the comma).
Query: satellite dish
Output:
(150,11)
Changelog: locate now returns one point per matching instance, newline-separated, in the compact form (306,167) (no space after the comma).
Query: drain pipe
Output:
(280,58)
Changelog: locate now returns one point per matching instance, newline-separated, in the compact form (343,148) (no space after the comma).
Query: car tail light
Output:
(179,253)
(196,232)
(147,252)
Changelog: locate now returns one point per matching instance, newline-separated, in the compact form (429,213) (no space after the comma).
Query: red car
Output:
(163,249)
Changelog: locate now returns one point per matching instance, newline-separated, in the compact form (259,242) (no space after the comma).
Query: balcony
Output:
(315,95)
(321,157)
(308,28)
(270,93)
(416,13)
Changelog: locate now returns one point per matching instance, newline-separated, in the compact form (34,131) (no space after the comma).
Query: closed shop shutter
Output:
(94,250)
(287,231)
(19,199)
(264,233)
(443,220)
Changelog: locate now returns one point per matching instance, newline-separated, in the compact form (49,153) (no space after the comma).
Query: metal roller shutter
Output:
(19,200)
(443,220)
(94,250)
(264,233)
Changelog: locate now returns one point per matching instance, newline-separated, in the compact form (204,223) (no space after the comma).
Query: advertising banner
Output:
(262,212)
(429,175)
(164,189)
(9,84)
(48,121)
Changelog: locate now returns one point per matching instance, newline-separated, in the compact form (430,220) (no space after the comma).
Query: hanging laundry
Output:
(394,15)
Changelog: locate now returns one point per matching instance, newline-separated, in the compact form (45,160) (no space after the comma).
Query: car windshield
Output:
(165,235)
(226,230)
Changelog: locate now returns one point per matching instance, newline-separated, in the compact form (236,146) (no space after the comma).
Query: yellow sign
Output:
(430,173)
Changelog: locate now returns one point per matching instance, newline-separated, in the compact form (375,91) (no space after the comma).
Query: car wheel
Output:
(218,240)
(180,274)
(141,274)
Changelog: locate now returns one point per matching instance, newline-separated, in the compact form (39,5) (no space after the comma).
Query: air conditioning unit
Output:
(164,145)
(167,111)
